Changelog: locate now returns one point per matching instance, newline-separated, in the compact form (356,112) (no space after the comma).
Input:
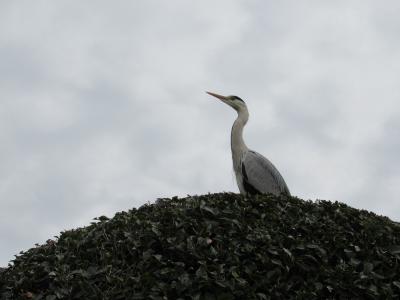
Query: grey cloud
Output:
(104,111)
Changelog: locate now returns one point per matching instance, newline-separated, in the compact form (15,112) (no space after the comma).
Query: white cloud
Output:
(103,105)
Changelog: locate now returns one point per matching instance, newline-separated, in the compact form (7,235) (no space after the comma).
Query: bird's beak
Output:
(222,98)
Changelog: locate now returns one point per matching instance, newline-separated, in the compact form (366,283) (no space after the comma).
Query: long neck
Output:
(237,144)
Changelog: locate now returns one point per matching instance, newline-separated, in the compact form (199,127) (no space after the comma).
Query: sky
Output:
(103,105)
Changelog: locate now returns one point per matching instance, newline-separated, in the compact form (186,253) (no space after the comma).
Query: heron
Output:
(254,173)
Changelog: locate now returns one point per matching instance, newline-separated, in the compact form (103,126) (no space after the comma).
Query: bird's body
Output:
(254,173)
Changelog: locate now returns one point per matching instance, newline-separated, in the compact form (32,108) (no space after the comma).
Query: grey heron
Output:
(255,174)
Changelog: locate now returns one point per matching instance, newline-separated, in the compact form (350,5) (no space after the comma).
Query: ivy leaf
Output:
(216,246)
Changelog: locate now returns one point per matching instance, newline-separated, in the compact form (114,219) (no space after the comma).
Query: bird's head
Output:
(234,101)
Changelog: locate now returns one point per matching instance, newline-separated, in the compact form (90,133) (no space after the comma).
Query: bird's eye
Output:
(237,98)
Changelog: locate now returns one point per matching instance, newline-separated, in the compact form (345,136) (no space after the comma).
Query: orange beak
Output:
(222,98)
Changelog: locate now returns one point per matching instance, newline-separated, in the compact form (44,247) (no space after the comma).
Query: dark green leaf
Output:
(218,246)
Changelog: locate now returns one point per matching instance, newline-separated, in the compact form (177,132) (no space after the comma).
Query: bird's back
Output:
(260,176)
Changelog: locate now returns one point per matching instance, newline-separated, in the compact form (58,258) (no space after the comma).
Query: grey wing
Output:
(261,176)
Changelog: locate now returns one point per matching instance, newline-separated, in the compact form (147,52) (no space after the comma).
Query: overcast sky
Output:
(103,105)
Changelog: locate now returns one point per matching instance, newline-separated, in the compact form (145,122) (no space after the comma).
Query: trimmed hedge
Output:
(217,246)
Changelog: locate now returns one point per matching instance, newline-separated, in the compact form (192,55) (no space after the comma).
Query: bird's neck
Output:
(237,144)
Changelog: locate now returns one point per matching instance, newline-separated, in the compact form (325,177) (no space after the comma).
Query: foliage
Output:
(218,246)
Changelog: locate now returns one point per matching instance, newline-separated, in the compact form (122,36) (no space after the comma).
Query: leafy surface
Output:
(219,246)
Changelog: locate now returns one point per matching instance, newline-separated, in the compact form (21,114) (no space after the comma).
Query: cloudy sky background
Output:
(102,104)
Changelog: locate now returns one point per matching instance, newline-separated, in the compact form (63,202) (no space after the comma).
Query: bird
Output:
(254,173)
